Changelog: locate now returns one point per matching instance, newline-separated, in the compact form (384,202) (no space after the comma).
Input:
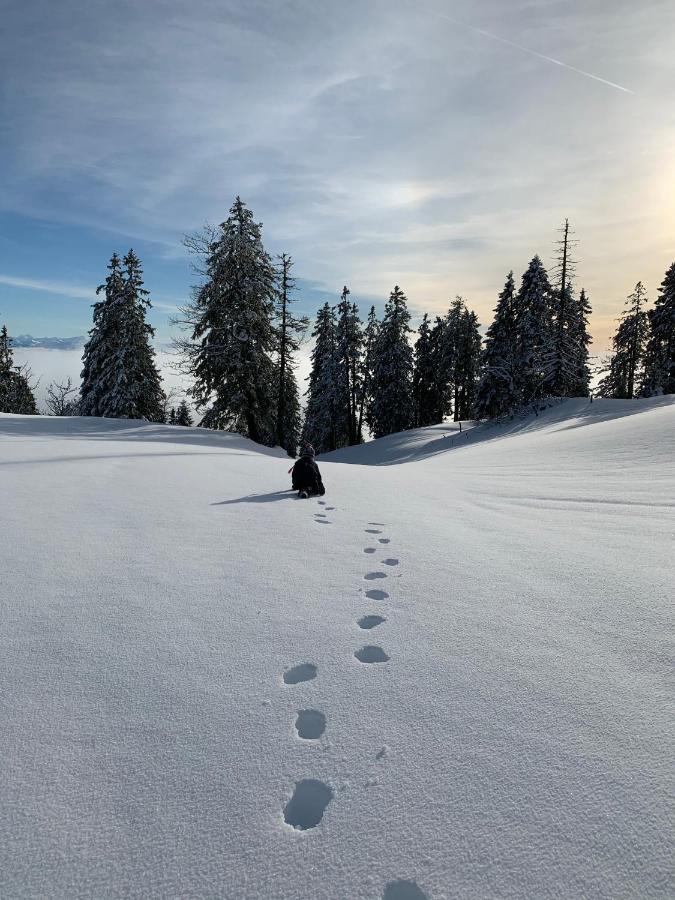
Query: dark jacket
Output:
(306,476)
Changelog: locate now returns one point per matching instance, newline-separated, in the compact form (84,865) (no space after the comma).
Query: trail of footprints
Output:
(311,797)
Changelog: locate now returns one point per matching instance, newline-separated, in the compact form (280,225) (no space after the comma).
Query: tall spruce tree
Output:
(393,402)
(324,425)
(498,393)
(566,372)
(441,351)
(290,327)
(16,395)
(233,337)
(350,349)
(182,414)
(467,365)
(424,377)
(533,332)
(365,398)
(623,378)
(581,382)
(561,362)
(120,379)
(659,363)
(98,374)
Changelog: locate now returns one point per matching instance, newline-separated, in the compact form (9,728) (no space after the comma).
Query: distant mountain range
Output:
(50,343)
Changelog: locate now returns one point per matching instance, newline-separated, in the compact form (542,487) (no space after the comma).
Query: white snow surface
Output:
(157,582)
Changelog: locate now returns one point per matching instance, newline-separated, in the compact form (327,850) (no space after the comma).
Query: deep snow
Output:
(457,686)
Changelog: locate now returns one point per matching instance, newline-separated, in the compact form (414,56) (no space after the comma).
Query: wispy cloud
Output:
(49,287)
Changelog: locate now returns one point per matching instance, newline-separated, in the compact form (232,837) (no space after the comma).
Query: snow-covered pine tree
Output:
(233,336)
(288,415)
(365,379)
(448,356)
(324,425)
(172,416)
(467,365)
(16,395)
(120,379)
(393,402)
(659,364)
(497,393)
(564,355)
(292,416)
(98,375)
(623,378)
(138,391)
(424,377)
(441,351)
(350,349)
(581,383)
(182,414)
(533,332)
(561,363)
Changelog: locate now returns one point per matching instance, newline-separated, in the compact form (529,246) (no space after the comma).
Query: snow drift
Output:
(447,678)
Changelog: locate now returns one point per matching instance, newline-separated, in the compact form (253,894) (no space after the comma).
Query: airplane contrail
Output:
(551,59)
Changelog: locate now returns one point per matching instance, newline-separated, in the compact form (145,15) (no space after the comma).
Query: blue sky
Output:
(434,145)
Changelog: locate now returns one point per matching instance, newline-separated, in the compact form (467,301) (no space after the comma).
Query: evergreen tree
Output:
(561,364)
(424,377)
(172,416)
(288,416)
(467,365)
(365,398)
(350,350)
(659,373)
(582,374)
(15,392)
(625,367)
(566,364)
(120,378)
(324,425)
(98,375)
(233,336)
(441,352)
(393,400)
(497,393)
(291,424)
(182,414)
(533,332)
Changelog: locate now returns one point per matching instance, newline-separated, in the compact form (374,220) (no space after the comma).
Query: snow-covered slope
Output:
(168,610)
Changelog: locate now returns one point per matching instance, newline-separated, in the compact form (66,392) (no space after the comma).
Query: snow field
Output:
(183,713)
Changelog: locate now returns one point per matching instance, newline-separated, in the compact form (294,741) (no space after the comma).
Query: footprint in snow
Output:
(310,724)
(372,576)
(330,508)
(303,672)
(320,515)
(323,521)
(384,540)
(321,502)
(377,523)
(368,622)
(306,807)
(403,890)
(371,654)
(390,562)
(369,549)
(377,595)
(372,531)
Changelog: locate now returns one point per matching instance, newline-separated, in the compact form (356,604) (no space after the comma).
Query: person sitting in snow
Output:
(306,475)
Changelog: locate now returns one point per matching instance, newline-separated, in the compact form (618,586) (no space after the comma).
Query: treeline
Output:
(373,376)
